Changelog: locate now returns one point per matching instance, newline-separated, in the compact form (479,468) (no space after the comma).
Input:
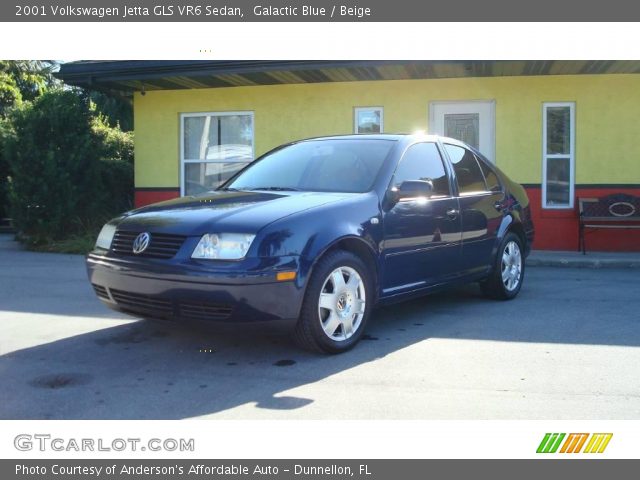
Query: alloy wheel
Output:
(511,266)
(342,302)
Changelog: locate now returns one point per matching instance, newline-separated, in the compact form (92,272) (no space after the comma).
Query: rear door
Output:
(421,235)
(480,207)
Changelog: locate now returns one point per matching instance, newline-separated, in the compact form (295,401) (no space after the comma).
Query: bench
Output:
(613,211)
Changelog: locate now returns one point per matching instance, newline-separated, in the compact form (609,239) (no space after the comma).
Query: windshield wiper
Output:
(276,189)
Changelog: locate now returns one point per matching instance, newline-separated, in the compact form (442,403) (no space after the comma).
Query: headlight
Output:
(223,246)
(105,237)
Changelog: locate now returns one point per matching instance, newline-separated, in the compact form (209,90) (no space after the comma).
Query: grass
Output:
(78,244)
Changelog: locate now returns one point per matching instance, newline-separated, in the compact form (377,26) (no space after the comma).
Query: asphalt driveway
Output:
(567,348)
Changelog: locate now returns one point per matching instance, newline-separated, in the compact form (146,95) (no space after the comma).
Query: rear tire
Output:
(337,304)
(507,276)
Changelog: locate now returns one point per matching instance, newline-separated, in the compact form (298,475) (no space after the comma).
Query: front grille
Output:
(144,304)
(101,291)
(162,245)
(156,307)
(204,311)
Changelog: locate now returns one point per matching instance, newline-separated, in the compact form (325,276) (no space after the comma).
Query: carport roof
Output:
(128,76)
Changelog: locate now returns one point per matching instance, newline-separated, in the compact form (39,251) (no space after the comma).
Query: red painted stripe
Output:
(558,229)
(148,196)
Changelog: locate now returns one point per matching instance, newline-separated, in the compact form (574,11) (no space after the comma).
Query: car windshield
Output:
(339,165)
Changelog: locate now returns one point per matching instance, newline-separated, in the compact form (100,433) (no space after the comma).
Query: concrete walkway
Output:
(547,258)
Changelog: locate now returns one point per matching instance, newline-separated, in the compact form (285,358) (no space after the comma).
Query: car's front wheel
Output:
(505,281)
(337,304)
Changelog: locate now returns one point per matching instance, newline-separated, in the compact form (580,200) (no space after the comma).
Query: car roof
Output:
(410,138)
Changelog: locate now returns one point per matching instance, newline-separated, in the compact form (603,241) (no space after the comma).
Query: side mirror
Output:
(412,189)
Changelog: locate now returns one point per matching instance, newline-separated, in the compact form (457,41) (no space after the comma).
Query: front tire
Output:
(507,276)
(337,304)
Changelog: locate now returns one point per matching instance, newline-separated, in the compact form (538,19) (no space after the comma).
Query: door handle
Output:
(499,206)
(452,213)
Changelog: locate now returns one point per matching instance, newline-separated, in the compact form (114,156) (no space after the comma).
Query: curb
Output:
(595,263)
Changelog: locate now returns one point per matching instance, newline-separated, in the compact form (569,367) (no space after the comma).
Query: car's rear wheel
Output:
(507,276)
(337,304)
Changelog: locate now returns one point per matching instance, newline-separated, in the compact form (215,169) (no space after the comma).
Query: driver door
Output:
(422,236)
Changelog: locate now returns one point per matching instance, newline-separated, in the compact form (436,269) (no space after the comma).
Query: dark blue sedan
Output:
(315,233)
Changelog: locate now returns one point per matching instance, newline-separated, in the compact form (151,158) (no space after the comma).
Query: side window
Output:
(468,173)
(490,177)
(422,161)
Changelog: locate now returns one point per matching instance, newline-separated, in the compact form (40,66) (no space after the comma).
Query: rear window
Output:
(468,174)
(490,177)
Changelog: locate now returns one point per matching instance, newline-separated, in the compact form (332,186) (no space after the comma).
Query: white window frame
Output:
(184,161)
(571,155)
(357,110)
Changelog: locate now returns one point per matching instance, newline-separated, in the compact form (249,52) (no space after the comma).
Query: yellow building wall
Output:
(607,119)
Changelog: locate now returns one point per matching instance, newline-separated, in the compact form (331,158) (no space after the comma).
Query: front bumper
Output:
(197,291)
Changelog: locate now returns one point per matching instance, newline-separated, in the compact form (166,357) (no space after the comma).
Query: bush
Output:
(116,180)
(115,144)
(61,180)
(5,132)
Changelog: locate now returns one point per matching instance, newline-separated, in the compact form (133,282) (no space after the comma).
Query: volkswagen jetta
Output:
(315,233)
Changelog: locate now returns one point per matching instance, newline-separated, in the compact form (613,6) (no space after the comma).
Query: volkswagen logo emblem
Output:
(141,243)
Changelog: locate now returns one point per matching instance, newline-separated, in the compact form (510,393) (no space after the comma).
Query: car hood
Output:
(238,212)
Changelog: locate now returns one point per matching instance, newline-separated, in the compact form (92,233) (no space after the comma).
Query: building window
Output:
(214,146)
(368,119)
(558,155)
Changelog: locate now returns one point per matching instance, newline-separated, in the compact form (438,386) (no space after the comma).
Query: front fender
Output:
(350,242)
(311,233)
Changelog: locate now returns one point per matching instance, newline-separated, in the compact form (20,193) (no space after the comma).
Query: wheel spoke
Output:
(353,283)
(517,258)
(505,273)
(328,301)
(331,324)
(338,280)
(358,306)
(347,326)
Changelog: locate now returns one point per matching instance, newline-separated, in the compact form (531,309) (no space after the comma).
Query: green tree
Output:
(5,133)
(114,143)
(31,77)
(20,80)
(23,82)
(118,110)
(59,168)
(10,95)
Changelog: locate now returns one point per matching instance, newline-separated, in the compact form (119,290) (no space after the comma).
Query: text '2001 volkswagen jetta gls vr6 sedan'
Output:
(315,233)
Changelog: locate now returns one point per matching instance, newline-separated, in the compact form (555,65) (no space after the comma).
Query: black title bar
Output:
(315,469)
(320,11)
